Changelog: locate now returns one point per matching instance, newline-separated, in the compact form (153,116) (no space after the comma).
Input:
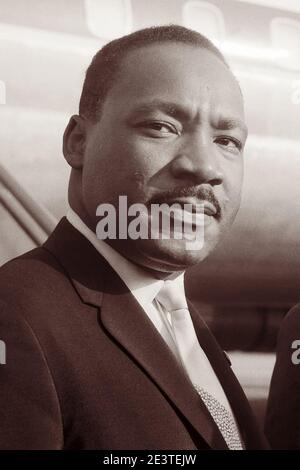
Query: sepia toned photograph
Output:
(149,227)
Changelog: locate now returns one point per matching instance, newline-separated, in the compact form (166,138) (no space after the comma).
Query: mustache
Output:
(202,193)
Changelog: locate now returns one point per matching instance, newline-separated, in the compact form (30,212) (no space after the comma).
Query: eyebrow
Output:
(168,107)
(182,113)
(227,124)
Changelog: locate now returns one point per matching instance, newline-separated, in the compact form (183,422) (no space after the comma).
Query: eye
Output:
(229,143)
(158,128)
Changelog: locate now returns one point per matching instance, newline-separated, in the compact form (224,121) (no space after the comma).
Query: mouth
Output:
(194,206)
(183,218)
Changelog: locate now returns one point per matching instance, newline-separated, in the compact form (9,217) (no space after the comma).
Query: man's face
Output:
(171,129)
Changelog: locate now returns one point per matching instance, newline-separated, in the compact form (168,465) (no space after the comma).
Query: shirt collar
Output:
(143,285)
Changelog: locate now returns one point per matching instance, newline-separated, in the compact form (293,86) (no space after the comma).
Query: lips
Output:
(194,205)
(177,212)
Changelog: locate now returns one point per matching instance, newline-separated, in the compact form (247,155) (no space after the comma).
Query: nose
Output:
(197,162)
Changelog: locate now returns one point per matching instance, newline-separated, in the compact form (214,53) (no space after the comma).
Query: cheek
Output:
(116,171)
(141,165)
(126,165)
(130,155)
(146,156)
(233,176)
(232,186)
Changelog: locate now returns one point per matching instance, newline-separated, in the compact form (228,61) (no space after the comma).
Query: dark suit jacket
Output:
(86,368)
(283,410)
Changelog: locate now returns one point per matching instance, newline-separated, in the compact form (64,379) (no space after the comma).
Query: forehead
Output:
(188,74)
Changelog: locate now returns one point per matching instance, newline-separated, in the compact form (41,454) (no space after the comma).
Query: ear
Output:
(74,142)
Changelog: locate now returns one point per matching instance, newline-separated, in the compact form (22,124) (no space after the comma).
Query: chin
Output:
(171,255)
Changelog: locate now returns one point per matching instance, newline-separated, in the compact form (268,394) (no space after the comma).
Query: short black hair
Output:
(101,72)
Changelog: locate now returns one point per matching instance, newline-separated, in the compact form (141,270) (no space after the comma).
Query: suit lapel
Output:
(98,284)
(126,321)
(251,435)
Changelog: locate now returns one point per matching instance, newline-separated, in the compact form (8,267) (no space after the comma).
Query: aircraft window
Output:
(285,34)
(205,18)
(290,5)
(108,19)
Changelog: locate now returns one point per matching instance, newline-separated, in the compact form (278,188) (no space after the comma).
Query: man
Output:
(283,410)
(102,349)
